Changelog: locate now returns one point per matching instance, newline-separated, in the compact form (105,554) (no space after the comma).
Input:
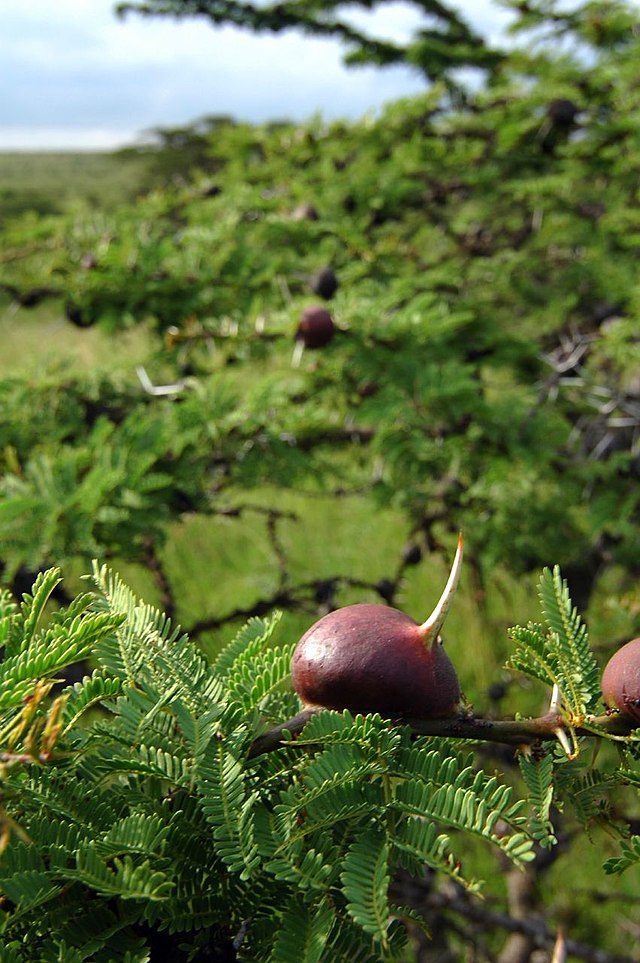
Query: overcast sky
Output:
(74,76)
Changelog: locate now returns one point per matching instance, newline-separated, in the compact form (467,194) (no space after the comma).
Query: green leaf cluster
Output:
(558,652)
(558,655)
(131,801)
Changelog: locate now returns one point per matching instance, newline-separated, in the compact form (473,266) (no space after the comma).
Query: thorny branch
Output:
(615,421)
(513,732)
(155,567)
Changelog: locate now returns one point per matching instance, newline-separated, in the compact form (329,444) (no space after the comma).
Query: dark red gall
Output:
(621,680)
(373,658)
(316,328)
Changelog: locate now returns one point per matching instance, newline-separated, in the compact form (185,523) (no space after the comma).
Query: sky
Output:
(75,77)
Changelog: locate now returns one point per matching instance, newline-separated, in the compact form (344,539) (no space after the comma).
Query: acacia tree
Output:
(505,227)
(483,374)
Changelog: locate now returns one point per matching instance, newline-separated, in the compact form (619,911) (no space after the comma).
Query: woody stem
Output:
(513,732)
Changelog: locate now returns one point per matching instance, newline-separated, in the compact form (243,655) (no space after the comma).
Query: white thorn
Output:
(560,949)
(298,351)
(554,705)
(157,390)
(430,629)
(563,739)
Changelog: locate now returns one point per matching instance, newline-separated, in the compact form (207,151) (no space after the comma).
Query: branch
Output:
(512,732)
(154,565)
(534,928)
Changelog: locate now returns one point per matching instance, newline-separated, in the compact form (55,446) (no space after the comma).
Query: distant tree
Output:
(173,152)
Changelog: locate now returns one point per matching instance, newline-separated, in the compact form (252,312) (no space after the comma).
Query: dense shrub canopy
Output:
(477,250)
(485,371)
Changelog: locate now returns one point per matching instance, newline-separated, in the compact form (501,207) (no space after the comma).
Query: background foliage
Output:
(484,375)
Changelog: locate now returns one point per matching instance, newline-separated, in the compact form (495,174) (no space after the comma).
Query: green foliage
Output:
(146,793)
(558,653)
(630,857)
(568,634)
(33,652)
(629,846)
(538,777)
(303,933)
(365,883)
(137,788)
(101,484)
(483,377)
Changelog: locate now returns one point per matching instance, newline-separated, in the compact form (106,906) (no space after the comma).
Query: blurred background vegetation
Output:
(485,372)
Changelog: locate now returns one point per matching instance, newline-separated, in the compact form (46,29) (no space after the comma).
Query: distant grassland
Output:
(48,183)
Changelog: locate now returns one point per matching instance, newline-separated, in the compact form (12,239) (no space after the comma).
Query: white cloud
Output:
(75,73)
(397,21)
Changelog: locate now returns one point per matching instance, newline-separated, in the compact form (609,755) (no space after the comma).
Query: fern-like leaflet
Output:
(303,932)
(228,806)
(630,856)
(124,877)
(579,672)
(558,652)
(537,773)
(365,883)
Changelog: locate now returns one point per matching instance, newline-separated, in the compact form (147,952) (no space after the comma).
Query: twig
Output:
(156,568)
(532,927)
(277,736)
(513,732)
